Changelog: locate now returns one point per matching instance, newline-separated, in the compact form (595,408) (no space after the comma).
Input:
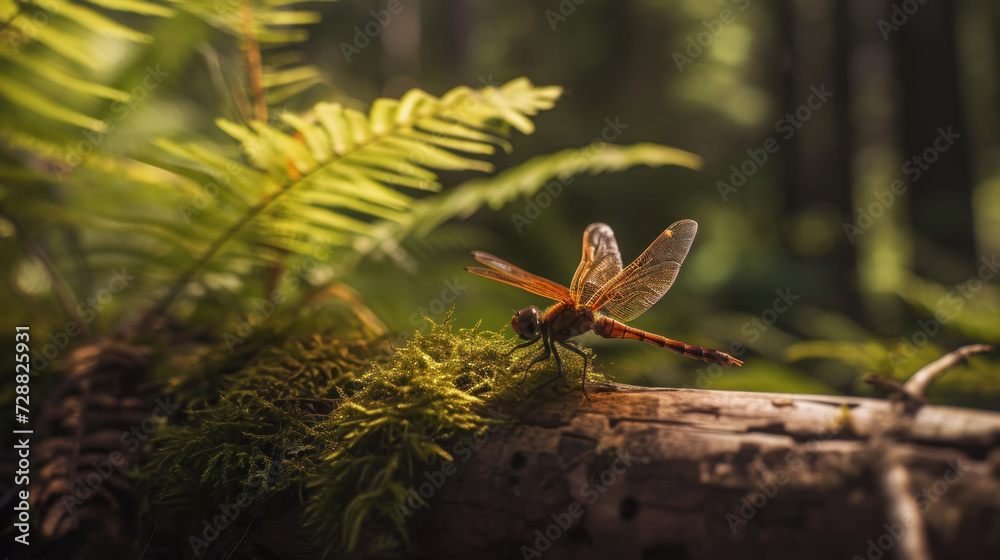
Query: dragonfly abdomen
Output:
(609,328)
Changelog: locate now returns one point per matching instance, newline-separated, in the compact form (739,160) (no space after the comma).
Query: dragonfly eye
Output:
(525,323)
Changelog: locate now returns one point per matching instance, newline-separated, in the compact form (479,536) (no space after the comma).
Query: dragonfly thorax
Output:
(566,320)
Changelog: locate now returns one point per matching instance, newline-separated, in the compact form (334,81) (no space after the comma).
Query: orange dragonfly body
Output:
(603,295)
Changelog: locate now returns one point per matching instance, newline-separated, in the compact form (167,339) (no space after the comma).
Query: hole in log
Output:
(518,461)
(628,508)
(666,552)
(578,534)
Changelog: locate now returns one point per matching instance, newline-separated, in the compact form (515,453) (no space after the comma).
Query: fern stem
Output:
(254,70)
(230,232)
(217,244)
(242,103)
(294,179)
(63,294)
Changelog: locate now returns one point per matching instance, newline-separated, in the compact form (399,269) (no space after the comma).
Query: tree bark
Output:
(676,473)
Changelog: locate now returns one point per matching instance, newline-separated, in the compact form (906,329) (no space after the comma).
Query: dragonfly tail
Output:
(609,328)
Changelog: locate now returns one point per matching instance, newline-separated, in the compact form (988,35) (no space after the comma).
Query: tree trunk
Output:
(675,473)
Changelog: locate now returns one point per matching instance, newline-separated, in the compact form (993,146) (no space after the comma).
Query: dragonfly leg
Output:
(573,347)
(546,352)
(525,344)
(558,364)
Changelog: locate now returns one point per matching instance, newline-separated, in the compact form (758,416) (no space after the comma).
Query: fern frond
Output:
(276,25)
(338,172)
(57,82)
(274,20)
(525,180)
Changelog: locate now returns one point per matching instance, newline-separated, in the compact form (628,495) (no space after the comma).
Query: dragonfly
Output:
(602,297)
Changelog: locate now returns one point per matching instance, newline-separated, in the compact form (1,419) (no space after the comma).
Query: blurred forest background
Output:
(850,162)
(864,296)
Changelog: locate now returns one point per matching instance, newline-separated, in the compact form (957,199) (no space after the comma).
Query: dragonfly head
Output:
(525,322)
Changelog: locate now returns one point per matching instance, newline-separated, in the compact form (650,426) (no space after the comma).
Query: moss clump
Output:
(440,388)
(257,438)
(321,423)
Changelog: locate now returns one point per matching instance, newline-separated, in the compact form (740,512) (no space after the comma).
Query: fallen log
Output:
(690,474)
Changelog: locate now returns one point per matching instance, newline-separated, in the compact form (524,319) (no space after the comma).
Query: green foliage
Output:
(313,417)
(274,22)
(258,435)
(340,163)
(943,318)
(556,170)
(769,377)
(340,171)
(114,160)
(56,82)
(277,25)
(195,214)
(438,389)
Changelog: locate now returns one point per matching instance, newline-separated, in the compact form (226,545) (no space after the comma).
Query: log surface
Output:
(640,473)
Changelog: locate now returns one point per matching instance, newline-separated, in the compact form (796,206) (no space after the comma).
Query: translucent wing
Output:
(636,288)
(600,262)
(502,271)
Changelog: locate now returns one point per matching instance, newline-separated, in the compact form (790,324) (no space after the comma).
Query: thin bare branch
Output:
(884,382)
(894,479)
(916,386)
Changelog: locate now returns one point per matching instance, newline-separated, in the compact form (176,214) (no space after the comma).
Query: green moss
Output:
(345,428)
(258,436)
(439,388)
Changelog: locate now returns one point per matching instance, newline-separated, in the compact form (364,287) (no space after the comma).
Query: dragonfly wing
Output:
(502,271)
(636,288)
(600,262)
